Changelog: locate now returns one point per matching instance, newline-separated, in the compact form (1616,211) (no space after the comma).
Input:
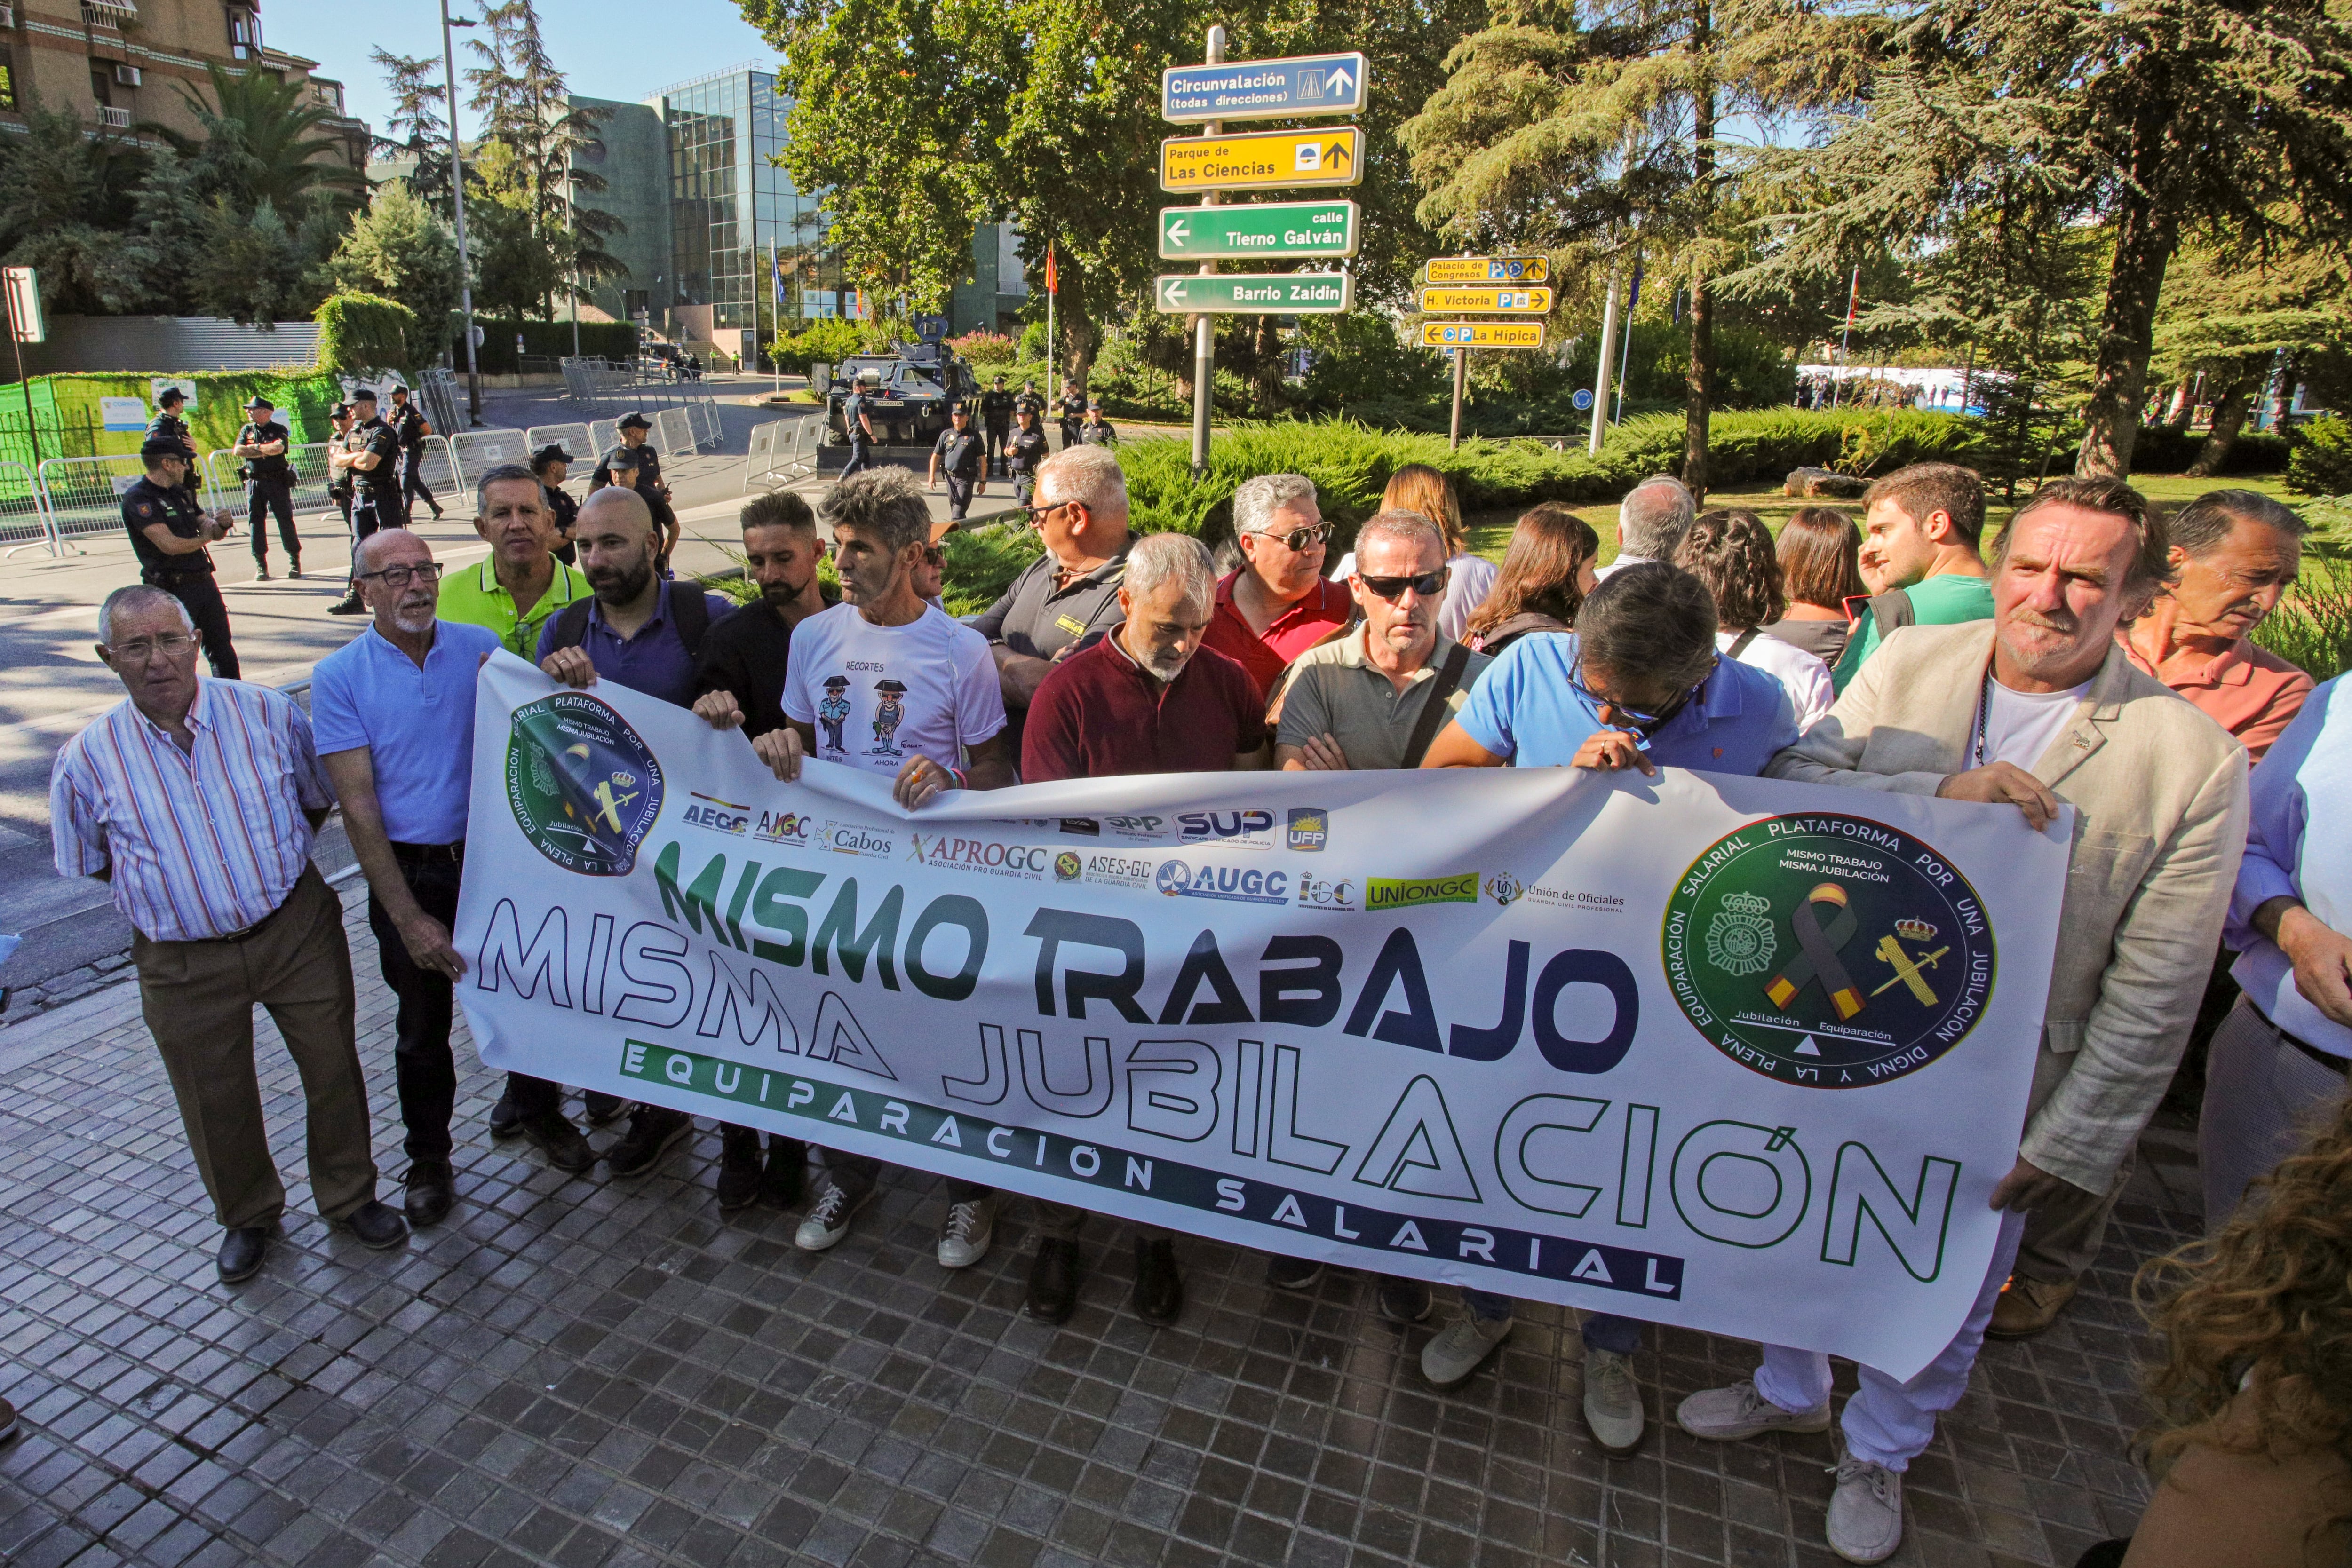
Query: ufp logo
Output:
(1310,827)
(1407,893)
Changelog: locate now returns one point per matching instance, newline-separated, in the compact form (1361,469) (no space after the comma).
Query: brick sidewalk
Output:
(584,1372)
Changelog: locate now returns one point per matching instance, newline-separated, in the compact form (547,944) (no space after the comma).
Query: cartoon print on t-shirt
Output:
(834,712)
(886,715)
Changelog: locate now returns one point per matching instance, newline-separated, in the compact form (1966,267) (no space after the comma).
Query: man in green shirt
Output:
(1918,557)
(522,584)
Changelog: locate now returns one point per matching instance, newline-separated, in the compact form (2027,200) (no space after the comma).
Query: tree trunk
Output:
(2184,403)
(1699,387)
(1268,368)
(1081,339)
(2145,237)
(2229,418)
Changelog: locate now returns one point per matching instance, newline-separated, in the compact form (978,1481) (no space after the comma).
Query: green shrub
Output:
(829,340)
(615,340)
(2161,449)
(2321,461)
(365,332)
(2311,627)
(1032,342)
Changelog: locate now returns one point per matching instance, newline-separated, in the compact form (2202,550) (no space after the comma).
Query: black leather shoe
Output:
(561,1142)
(348,605)
(1158,1283)
(739,1167)
(506,1121)
(8,1420)
(377,1225)
(1403,1301)
(432,1192)
(241,1252)
(780,1184)
(1287,1273)
(1053,1279)
(601,1108)
(652,1130)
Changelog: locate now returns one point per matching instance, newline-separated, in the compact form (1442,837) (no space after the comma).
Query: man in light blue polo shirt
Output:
(1638,686)
(393,711)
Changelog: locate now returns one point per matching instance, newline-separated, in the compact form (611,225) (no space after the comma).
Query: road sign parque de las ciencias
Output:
(1270,229)
(1262,159)
(1292,89)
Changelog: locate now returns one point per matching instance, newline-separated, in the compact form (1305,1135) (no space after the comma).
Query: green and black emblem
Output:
(1827,951)
(585,787)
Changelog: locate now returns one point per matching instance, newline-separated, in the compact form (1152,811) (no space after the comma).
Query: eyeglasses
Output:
(1038,514)
(1429,584)
(1298,539)
(401,576)
(1632,719)
(139,649)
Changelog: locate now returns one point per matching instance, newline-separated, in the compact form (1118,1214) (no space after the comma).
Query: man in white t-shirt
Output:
(905,691)
(2039,708)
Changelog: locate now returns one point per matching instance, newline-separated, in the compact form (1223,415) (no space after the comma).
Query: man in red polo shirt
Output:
(1149,697)
(1278,605)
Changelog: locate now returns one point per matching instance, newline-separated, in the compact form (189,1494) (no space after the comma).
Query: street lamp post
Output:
(458,192)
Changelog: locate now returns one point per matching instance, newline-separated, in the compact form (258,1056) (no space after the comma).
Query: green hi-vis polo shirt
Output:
(1944,600)
(472,594)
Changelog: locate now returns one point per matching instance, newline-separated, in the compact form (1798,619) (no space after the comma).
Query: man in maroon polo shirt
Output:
(1147,698)
(1278,604)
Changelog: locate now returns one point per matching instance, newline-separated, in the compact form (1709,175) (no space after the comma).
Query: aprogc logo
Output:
(1027,862)
(1234,829)
(1231,884)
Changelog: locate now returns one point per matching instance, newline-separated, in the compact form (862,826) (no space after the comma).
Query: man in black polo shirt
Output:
(168,534)
(410,427)
(960,451)
(269,484)
(996,417)
(634,428)
(167,425)
(1073,589)
(1026,453)
(369,455)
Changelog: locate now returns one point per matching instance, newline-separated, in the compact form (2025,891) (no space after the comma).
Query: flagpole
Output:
(1846,343)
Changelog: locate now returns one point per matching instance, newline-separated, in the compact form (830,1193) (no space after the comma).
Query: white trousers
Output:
(2261,1093)
(1890,1422)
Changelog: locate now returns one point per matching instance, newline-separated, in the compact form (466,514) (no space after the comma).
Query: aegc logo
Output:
(717,815)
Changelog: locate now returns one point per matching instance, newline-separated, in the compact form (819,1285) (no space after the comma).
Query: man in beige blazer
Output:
(2037,708)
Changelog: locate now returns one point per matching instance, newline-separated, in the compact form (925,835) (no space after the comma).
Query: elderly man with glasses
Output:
(1277,605)
(195,801)
(393,713)
(1071,591)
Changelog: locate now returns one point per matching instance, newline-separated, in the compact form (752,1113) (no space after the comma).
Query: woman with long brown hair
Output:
(1819,550)
(1418,487)
(1731,552)
(1546,574)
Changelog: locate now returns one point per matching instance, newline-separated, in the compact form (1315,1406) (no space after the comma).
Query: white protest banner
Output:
(1723,1052)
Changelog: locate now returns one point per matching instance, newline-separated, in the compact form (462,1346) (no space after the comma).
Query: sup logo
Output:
(583,786)
(1827,951)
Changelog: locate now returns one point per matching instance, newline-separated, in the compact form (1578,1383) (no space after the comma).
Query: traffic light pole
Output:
(458,192)
(1204,334)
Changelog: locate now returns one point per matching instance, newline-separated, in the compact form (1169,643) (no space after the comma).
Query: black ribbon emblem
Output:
(1817,958)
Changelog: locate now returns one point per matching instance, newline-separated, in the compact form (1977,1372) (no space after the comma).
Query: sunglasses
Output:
(1630,717)
(1429,584)
(1299,539)
(1038,514)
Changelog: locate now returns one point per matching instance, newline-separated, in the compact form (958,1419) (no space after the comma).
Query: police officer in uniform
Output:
(996,417)
(634,427)
(958,449)
(169,533)
(1029,398)
(857,422)
(410,425)
(1096,430)
(339,480)
(1025,452)
(553,464)
(167,425)
(371,456)
(269,484)
(1072,412)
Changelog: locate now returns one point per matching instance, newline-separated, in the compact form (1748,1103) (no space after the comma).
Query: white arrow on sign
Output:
(1178,231)
(1342,83)
(1172,291)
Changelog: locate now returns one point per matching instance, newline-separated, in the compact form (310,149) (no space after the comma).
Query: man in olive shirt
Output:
(1073,589)
(522,585)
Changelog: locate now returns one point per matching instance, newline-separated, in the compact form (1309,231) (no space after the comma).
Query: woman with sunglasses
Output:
(1638,686)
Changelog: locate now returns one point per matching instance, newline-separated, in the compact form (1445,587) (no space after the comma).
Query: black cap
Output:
(552,453)
(160,446)
(1094,405)
(891,688)
(837,683)
(955,408)
(258,401)
(341,411)
(170,394)
(634,421)
(999,380)
(622,457)
(397,390)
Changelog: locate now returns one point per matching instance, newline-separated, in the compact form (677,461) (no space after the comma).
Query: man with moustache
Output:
(1278,605)
(393,713)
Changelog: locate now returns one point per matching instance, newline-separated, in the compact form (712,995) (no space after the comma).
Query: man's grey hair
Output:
(1158,560)
(1257,500)
(1655,515)
(137,597)
(886,503)
(1405,527)
(1090,474)
(503,474)
(2206,524)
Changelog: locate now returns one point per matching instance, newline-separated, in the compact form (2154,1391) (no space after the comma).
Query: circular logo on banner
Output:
(1827,951)
(583,786)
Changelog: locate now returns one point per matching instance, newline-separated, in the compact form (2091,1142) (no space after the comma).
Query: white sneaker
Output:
(970,1226)
(1731,1415)
(829,1219)
(1455,1354)
(1613,1401)
(1865,1521)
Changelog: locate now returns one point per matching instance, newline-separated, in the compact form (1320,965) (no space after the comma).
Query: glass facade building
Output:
(734,215)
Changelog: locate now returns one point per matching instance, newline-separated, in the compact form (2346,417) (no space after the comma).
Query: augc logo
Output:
(1173,877)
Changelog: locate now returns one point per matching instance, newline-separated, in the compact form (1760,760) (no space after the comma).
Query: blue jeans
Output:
(1602,1330)
(861,456)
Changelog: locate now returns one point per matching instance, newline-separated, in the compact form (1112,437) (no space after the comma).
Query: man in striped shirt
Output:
(196,801)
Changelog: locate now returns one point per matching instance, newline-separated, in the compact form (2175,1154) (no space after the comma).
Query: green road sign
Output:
(1257,292)
(1272,229)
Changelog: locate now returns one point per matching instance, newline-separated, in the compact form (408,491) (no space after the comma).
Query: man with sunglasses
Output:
(170,535)
(1278,605)
(1637,686)
(1071,591)
(393,711)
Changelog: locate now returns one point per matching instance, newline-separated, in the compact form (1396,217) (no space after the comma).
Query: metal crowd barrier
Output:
(473,451)
(444,405)
(782,451)
(85,494)
(576,439)
(24,522)
(703,414)
(673,432)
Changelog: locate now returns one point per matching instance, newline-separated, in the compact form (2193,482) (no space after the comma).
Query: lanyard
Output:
(1984,717)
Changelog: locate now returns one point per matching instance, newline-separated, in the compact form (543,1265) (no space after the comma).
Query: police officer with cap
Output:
(411,427)
(553,464)
(857,420)
(338,481)
(1096,430)
(269,484)
(958,449)
(1027,449)
(1071,413)
(169,533)
(369,454)
(647,463)
(167,425)
(996,415)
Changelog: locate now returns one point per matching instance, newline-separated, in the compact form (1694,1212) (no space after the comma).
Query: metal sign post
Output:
(26,325)
(1499,283)
(1204,337)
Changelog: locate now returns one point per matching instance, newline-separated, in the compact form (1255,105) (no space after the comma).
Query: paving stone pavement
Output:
(584,1372)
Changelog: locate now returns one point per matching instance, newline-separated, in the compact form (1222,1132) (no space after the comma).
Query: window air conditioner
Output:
(126,75)
(7,15)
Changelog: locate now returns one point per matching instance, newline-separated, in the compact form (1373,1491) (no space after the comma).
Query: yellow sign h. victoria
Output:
(1446,301)
(1266,160)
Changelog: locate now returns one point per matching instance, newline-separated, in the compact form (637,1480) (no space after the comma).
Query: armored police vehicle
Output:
(917,382)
